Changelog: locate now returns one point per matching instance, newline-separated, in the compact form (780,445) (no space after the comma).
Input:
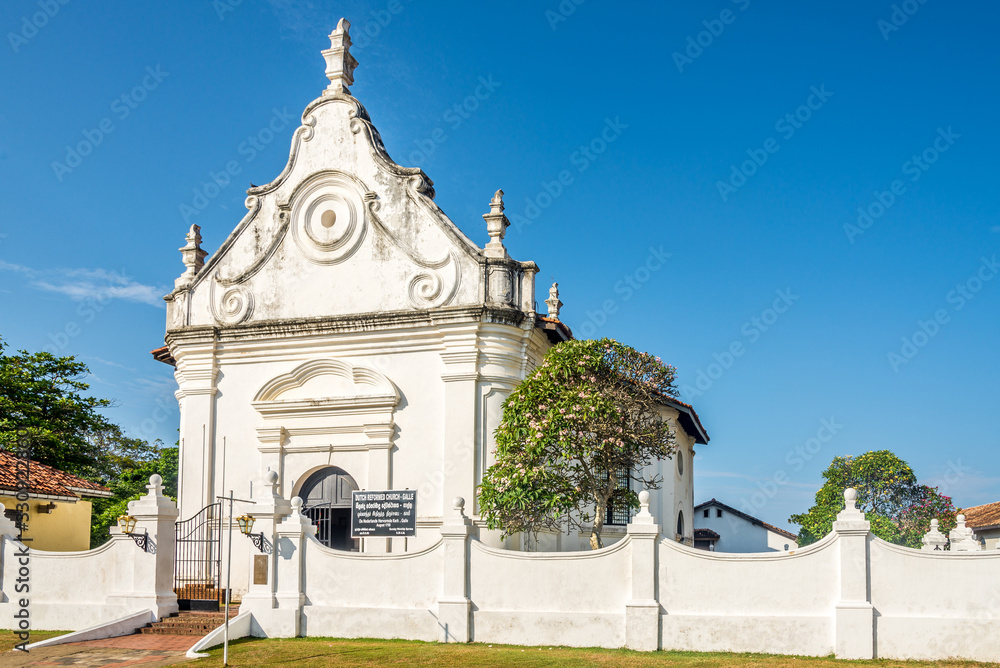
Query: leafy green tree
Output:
(129,486)
(898,507)
(42,400)
(588,415)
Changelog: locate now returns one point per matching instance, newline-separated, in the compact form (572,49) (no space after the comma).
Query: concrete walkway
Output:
(139,649)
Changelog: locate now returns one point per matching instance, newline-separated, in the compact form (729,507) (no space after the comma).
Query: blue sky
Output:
(821,177)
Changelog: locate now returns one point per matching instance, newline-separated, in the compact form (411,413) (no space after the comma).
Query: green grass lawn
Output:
(8,638)
(367,652)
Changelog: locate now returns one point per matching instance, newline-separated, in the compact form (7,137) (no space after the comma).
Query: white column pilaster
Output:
(855,616)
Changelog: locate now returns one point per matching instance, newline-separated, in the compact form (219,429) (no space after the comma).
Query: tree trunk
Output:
(595,533)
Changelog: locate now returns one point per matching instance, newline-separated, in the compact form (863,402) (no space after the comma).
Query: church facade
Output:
(347,335)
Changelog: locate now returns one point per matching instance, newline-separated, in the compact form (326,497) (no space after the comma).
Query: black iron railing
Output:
(198,558)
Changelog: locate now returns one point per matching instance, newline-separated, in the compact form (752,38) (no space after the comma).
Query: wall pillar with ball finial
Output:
(855,615)
(454,605)
(146,574)
(267,512)
(642,612)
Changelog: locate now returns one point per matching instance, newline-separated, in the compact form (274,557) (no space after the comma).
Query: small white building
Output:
(722,528)
(348,335)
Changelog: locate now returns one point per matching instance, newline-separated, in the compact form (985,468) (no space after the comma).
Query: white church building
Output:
(347,335)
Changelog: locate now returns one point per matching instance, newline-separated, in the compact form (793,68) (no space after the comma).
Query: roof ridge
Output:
(751,518)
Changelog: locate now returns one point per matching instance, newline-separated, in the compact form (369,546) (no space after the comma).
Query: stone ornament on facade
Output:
(934,540)
(234,306)
(553,302)
(496,227)
(192,256)
(340,63)
(963,538)
(328,219)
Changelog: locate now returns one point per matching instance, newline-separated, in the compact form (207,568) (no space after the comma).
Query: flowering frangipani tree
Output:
(588,412)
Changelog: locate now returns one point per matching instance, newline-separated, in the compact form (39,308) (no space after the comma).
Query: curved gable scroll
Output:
(327,385)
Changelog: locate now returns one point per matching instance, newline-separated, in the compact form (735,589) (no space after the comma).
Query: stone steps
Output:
(188,623)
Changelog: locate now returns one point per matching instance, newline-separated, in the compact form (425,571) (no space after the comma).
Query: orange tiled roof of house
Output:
(983,517)
(46,481)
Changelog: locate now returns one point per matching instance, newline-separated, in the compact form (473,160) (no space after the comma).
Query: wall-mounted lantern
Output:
(127,524)
(246,528)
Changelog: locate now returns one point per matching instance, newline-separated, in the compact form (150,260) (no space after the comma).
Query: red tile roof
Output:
(555,329)
(46,480)
(983,517)
(705,534)
(749,518)
(163,355)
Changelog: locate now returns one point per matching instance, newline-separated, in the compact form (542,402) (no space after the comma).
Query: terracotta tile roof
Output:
(555,329)
(46,480)
(163,355)
(749,518)
(983,517)
(705,534)
(689,419)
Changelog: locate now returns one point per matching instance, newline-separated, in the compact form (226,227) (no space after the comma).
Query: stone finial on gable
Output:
(192,256)
(340,63)
(963,538)
(496,227)
(934,540)
(553,302)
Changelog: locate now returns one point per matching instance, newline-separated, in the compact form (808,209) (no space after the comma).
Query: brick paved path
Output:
(148,651)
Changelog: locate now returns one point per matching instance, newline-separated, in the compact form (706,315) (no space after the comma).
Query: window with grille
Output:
(619,513)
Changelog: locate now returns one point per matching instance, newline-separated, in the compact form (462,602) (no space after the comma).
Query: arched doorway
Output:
(326,500)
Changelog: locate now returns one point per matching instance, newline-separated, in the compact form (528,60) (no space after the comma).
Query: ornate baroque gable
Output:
(344,230)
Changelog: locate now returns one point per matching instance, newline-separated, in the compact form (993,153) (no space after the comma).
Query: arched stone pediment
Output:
(326,384)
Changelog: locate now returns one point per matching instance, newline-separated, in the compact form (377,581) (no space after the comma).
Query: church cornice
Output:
(362,322)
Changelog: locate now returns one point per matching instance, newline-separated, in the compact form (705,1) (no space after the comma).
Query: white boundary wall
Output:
(850,594)
(77,590)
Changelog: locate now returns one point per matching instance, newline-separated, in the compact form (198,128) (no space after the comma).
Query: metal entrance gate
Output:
(197,559)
